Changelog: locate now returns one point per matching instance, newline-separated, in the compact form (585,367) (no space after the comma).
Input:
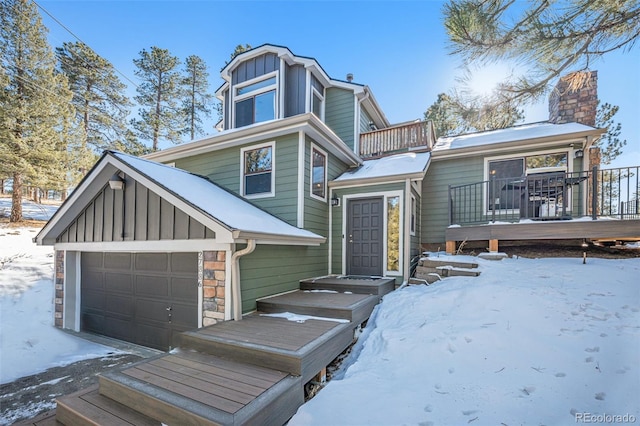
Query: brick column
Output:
(59,288)
(213,283)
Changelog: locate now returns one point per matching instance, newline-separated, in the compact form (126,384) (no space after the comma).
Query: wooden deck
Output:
(608,229)
(251,371)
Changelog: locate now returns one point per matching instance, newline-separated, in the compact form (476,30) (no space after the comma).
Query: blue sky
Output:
(397,48)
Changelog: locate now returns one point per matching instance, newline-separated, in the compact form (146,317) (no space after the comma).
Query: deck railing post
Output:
(493,198)
(450,206)
(594,193)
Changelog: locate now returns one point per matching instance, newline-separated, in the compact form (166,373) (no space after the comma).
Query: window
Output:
(393,234)
(257,171)
(255,102)
(318,174)
(412,225)
(317,103)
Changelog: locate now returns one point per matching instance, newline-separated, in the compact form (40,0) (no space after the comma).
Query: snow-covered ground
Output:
(545,341)
(30,210)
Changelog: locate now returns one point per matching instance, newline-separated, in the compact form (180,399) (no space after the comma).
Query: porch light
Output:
(335,202)
(116,182)
(578,154)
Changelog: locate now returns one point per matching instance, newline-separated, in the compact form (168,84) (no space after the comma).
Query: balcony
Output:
(597,204)
(415,136)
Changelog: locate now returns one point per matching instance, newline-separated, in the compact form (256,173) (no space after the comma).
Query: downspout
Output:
(235,278)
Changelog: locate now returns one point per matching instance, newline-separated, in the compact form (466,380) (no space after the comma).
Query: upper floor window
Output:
(258,170)
(318,173)
(317,103)
(255,101)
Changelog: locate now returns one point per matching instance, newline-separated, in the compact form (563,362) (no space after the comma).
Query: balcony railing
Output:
(548,196)
(407,137)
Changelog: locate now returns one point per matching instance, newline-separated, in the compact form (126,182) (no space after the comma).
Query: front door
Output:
(365,228)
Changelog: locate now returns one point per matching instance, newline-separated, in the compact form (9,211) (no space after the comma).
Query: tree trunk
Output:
(16,199)
(1,186)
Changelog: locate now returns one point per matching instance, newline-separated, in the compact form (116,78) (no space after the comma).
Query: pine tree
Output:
(548,38)
(35,104)
(197,101)
(98,95)
(609,143)
(158,97)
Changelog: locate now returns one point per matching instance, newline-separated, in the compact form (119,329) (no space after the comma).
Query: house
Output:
(306,178)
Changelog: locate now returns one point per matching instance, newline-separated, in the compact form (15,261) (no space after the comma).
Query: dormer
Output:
(271,83)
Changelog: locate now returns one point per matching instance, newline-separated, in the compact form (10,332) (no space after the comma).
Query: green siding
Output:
(364,121)
(435,193)
(223,167)
(339,114)
(276,269)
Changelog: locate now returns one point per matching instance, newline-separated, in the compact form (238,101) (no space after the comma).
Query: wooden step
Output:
(446,271)
(353,307)
(88,407)
(198,389)
(301,349)
(435,263)
(429,277)
(378,286)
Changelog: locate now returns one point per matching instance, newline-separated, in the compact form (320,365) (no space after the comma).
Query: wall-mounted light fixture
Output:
(578,153)
(335,202)
(116,182)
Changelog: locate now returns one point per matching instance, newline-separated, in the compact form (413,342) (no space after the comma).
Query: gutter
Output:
(235,278)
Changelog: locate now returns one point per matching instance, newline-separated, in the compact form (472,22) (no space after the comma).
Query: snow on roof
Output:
(222,205)
(394,165)
(511,134)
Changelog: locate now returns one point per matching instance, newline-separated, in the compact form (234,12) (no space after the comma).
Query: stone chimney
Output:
(575,99)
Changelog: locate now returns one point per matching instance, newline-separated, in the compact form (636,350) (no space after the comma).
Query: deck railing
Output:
(548,196)
(412,136)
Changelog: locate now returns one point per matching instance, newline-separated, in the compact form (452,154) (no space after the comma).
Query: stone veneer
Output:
(59,288)
(213,282)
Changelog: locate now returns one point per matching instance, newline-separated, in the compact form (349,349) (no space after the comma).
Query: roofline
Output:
(545,141)
(308,123)
(381,179)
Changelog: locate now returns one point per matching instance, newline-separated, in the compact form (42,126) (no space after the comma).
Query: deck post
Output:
(493,246)
(594,193)
(450,247)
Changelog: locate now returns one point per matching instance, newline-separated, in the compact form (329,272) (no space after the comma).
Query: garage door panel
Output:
(157,286)
(153,336)
(93,322)
(118,282)
(92,299)
(184,288)
(122,306)
(119,329)
(181,315)
(92,280)
(117,261)
(92,260)
(184,262)
(152,261)
(152,310)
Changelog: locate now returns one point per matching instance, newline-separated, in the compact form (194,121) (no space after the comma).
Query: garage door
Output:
(143,298)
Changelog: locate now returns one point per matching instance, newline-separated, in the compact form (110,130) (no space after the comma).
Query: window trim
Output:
(272,192)
(262,90)
(316,92)
(523,156)
(326,168)
(413,218)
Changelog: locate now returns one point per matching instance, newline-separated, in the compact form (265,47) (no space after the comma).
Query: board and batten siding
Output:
(224,168)
(146,217)
(339,114)
(255,67)
(435,193)
(295,90)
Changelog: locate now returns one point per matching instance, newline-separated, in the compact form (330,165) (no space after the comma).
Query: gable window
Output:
(317,103)
(258,171)
(318,174)
(255,102)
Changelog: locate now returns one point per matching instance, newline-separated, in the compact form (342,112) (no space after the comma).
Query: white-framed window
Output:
(258,170)
(414,217)
(317,103)
(255,100)
(318,179)
(501,169)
